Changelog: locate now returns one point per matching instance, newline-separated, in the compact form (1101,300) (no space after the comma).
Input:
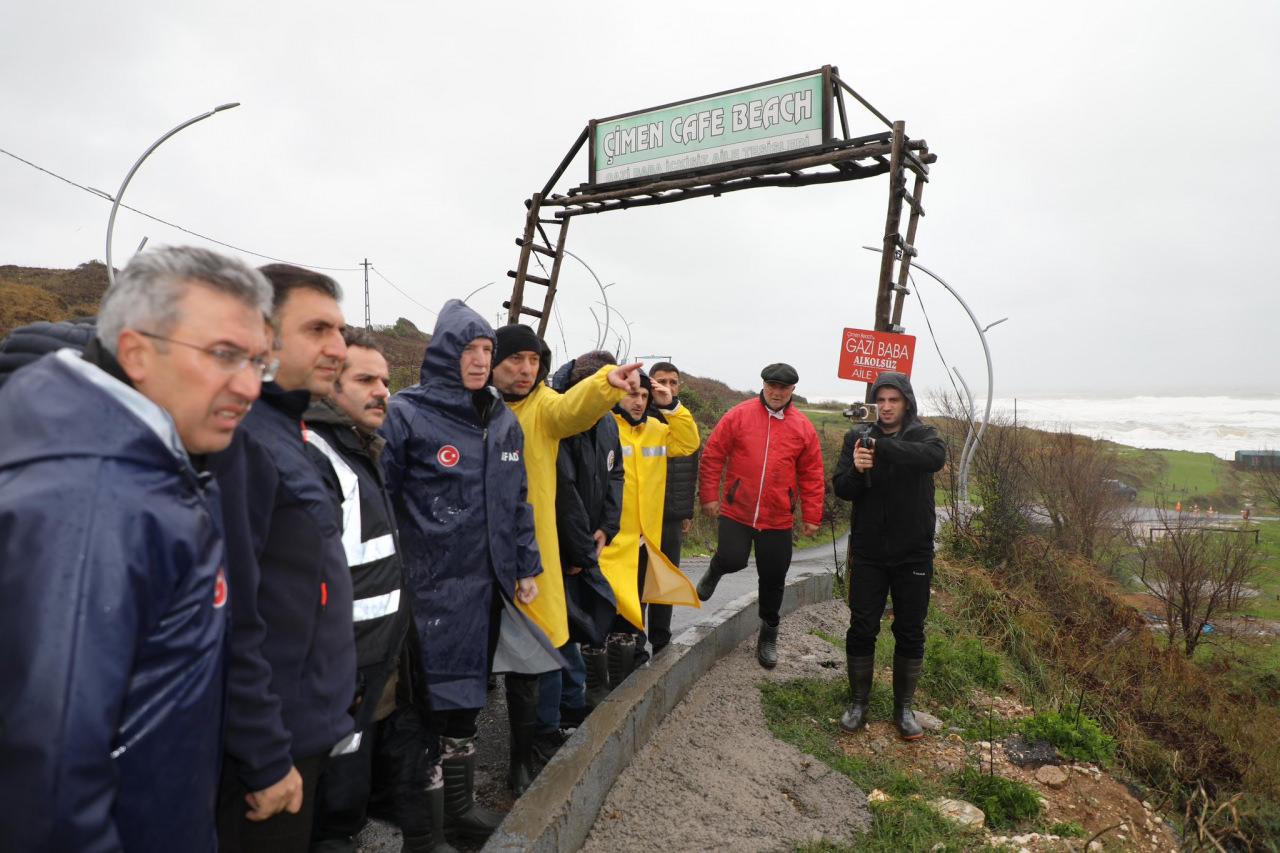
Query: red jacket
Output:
(770,463)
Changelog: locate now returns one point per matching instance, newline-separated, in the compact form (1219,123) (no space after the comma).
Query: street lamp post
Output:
(115,204)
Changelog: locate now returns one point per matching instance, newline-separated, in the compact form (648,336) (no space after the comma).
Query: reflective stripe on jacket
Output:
(645,449)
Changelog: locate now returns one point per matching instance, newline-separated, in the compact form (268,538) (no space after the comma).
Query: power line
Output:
(401,292)
(102,195)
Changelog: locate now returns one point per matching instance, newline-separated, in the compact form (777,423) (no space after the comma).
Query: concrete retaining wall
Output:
(558,811)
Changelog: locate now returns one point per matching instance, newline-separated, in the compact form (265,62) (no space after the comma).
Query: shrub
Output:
(1068,829)
(1004,801)
(1076,735)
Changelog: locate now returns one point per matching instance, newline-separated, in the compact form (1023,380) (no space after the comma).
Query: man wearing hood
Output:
(767,458)
(886,470)
(112,558)
(455,473)
(589,478)
(520,364)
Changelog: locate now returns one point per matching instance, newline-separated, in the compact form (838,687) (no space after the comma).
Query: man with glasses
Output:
(292,672)
(112,561)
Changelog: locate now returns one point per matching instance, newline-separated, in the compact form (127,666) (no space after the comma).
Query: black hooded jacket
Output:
(893,516)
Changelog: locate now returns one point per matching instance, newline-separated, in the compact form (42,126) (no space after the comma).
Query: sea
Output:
(1217,425)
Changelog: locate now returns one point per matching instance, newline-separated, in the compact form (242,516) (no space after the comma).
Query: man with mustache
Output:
(112,558)
(292,675)
(343,428)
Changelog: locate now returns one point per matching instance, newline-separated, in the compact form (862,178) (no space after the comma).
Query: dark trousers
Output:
(734,542)
(869,584)
(283,833)
(393,761)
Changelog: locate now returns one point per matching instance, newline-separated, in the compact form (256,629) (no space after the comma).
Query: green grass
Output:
(1068,829)
(1076,736)
(1004,801)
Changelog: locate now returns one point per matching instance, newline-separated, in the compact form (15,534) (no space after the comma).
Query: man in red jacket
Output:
(768,457)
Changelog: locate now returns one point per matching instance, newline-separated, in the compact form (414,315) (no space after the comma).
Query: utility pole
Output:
(368,322)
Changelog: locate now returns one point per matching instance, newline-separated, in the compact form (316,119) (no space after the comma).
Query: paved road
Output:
(731,587)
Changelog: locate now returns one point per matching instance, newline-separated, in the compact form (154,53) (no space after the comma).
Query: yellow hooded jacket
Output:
(645,449)
(547,417)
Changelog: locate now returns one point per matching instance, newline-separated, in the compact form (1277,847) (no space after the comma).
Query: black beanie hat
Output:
(515,338)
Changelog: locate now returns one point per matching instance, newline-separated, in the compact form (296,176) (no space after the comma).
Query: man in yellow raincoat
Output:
(546,417)
(633,562)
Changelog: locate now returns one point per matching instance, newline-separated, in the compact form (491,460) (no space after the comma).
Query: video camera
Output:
(862,412)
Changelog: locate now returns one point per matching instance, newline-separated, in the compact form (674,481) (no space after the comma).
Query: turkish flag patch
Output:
(220,589)
(448,456)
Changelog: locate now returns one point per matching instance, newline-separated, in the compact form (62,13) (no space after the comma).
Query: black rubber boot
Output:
(546,745)
(906,674)
(622,657)
(432,841)
(707,585)
(861,672)
(767,645)
(462,816)
(522,713)
(597,661)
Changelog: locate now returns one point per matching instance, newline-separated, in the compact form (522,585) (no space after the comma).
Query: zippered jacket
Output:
(378,608)
(292,673)
(112,619)
(546,417)
(455,473)
(762,465)
(893,514)
(646,447)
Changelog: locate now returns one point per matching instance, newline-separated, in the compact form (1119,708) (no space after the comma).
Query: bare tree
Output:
(1267,482)
(1198,573)
(1073,479)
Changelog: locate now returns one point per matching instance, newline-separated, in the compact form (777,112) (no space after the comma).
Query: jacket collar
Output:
(780,414)
(292,403)
(152,415)
(350,433)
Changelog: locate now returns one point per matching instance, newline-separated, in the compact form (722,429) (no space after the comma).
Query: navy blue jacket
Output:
(292,671)
(457,482)
(111,620)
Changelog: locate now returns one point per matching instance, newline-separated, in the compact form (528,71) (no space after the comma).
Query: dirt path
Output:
(713,778)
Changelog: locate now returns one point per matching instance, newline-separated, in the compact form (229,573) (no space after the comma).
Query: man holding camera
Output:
(886,470)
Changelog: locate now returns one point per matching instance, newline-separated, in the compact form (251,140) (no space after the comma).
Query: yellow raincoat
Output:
(645,449)
(547,417)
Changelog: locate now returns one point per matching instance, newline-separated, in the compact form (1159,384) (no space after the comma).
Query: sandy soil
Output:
(713,778)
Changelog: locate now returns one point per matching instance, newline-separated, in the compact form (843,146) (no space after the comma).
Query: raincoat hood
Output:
(456,326)
(135,430)
(892,379)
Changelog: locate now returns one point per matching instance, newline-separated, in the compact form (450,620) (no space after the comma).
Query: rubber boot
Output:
(861,671)
(707,584)
(906,674)
(462,816)
(622,657)
(597,661)
(546,745)
(572,718)
(522,713)
(767,645)
(431,841)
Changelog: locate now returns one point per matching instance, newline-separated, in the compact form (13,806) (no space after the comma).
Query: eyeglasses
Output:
(230,359)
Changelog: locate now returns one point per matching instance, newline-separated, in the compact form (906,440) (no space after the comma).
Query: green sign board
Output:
(767,120)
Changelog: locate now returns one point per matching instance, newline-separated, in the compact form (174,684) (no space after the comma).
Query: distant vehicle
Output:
(1122,489)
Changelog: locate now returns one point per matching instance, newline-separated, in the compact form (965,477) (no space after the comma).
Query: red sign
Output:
(448,456)
(865,355)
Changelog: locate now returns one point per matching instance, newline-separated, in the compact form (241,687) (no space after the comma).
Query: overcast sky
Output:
(1106,176)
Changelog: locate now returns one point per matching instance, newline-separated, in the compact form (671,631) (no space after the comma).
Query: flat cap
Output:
(781,373)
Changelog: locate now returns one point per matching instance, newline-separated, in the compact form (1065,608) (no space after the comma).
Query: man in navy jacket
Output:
(111,561)
(292,671)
